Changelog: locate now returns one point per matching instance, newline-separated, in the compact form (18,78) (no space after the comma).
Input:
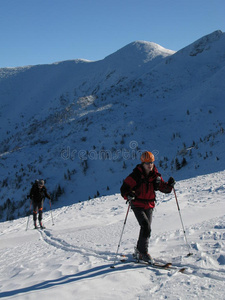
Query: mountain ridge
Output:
(82,125)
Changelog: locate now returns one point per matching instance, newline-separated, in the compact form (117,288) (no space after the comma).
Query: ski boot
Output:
(146,257)
(142,256)
(41,225)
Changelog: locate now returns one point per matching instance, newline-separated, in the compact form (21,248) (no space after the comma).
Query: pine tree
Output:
(184,162)
(177,164)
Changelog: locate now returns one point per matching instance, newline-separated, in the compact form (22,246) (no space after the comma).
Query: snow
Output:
(82,126)
(73,257)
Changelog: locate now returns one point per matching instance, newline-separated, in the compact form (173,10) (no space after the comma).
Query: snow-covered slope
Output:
(72,259)
(82,125)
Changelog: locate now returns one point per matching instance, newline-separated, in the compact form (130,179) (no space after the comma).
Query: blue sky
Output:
(46,31)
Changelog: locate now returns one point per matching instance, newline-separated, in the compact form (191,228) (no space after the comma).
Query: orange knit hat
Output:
(147,157)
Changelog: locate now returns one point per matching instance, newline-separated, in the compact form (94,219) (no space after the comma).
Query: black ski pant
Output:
(37,209)
(144,218)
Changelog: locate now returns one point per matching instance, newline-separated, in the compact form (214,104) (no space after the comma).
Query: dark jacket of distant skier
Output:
(38,193)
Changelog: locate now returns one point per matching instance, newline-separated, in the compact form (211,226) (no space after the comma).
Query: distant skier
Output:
(38,193)
(139,190)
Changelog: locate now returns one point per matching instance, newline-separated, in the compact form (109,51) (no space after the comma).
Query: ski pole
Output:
(51,211)
(189,247)
(113,266)
(28,216)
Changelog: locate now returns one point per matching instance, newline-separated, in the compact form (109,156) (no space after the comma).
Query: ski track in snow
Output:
(73,257)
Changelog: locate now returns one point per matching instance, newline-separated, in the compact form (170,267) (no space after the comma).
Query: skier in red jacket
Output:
(139,190)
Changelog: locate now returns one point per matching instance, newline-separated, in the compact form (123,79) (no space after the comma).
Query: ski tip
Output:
(169,265)
(189,254)
(182,270)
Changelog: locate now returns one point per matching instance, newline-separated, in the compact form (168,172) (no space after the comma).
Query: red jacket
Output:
(144,187)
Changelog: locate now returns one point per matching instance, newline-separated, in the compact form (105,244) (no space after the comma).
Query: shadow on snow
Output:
(91,273)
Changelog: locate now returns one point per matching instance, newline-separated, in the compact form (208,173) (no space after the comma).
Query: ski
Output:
(157,265)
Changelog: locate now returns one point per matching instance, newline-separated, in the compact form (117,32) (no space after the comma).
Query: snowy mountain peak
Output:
(206,43)
(72,61)
(151,49)
(139,53)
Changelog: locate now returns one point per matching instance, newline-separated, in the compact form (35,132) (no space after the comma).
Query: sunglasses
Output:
(149,163)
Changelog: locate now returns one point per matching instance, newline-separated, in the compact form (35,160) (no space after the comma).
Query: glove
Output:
(171,182)
(130,197)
